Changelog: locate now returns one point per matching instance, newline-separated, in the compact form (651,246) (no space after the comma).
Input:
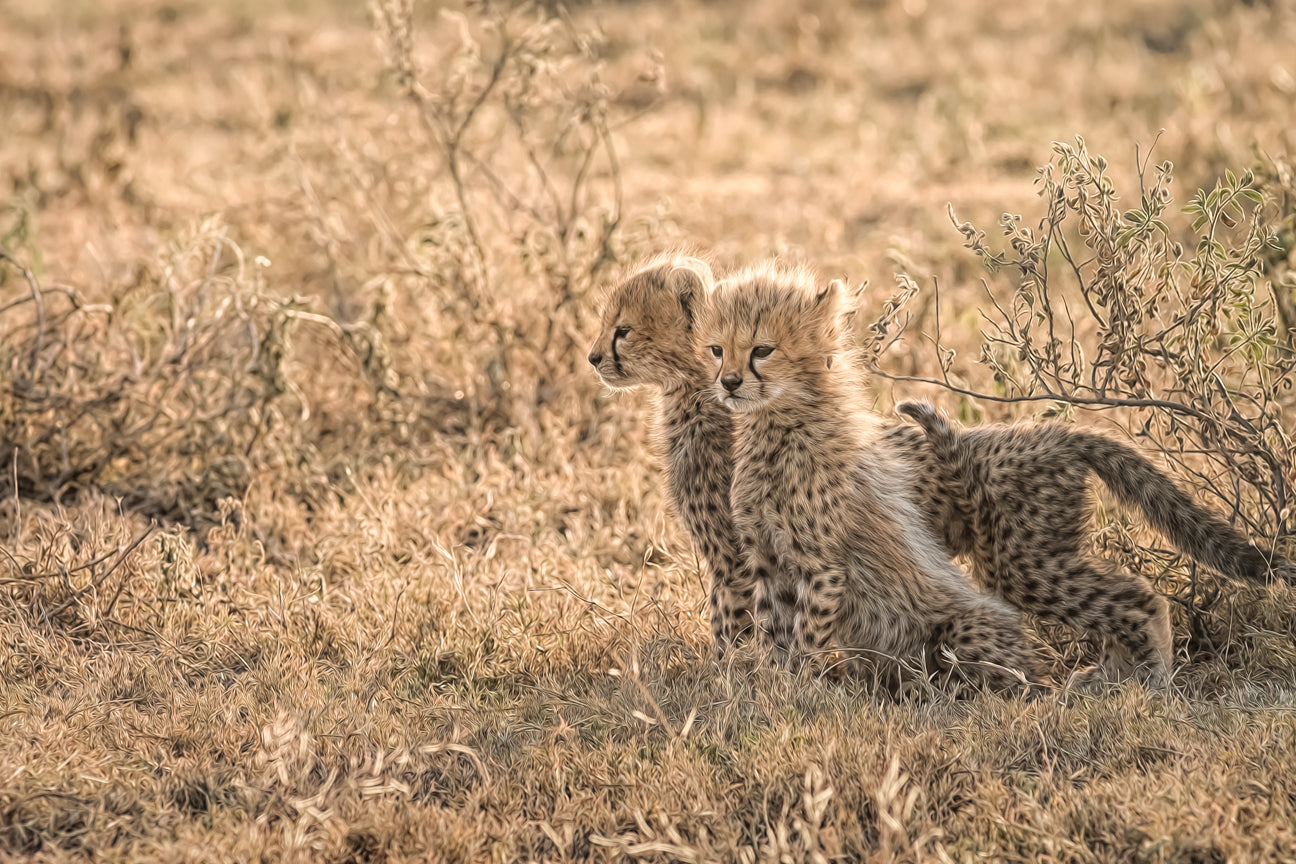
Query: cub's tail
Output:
(1193,529)
(940,435)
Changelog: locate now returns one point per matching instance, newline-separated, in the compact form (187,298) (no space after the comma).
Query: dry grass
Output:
(319,542)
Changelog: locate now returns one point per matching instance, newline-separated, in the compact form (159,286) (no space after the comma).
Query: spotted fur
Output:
(646,340)
(838,551)
(1021,494)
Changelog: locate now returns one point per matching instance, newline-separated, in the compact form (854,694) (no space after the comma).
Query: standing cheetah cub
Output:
(839,553)
(646,340)
(1023,493)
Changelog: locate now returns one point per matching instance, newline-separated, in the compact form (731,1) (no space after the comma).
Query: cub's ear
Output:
(825,311)
(691,280)
(827,300)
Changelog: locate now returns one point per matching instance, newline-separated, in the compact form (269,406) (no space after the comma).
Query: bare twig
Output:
(1069,398)
(37,298)
(99,580)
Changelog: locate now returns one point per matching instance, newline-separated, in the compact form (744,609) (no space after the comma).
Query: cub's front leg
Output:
(732,617)
(775,604)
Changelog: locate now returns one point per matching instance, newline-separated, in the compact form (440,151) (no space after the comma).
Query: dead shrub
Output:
(521,213)
(1170,319)
(173,392)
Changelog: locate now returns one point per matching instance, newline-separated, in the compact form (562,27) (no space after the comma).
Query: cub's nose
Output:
(731,381)
(595,358)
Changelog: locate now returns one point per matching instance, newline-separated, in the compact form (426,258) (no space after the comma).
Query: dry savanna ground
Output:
(319,542)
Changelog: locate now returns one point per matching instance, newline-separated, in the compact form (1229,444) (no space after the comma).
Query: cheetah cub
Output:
(646,340)
(1023,494)
(838,551)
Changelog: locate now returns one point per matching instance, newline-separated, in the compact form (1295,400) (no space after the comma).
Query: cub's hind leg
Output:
(988,647)
(1039,562)
(1130,619)
(818,604)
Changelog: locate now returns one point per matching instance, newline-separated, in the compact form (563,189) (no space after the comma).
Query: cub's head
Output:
(768,333)
(647,329)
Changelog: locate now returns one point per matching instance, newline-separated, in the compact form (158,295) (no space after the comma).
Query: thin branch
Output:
(99,580)
(609,224)
(36,297)
(1094,402)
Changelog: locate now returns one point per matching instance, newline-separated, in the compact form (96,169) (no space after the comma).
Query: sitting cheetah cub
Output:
(646,340)
(838,551)
(1023,494)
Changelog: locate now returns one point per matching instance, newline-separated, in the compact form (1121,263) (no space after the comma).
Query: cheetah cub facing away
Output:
(839,553)
(1023,492)
(647,340)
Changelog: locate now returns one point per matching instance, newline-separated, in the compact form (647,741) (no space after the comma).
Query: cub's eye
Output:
(762,351)
(716,351)
(620,332)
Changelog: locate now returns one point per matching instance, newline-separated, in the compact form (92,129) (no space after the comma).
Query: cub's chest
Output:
(761,507)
